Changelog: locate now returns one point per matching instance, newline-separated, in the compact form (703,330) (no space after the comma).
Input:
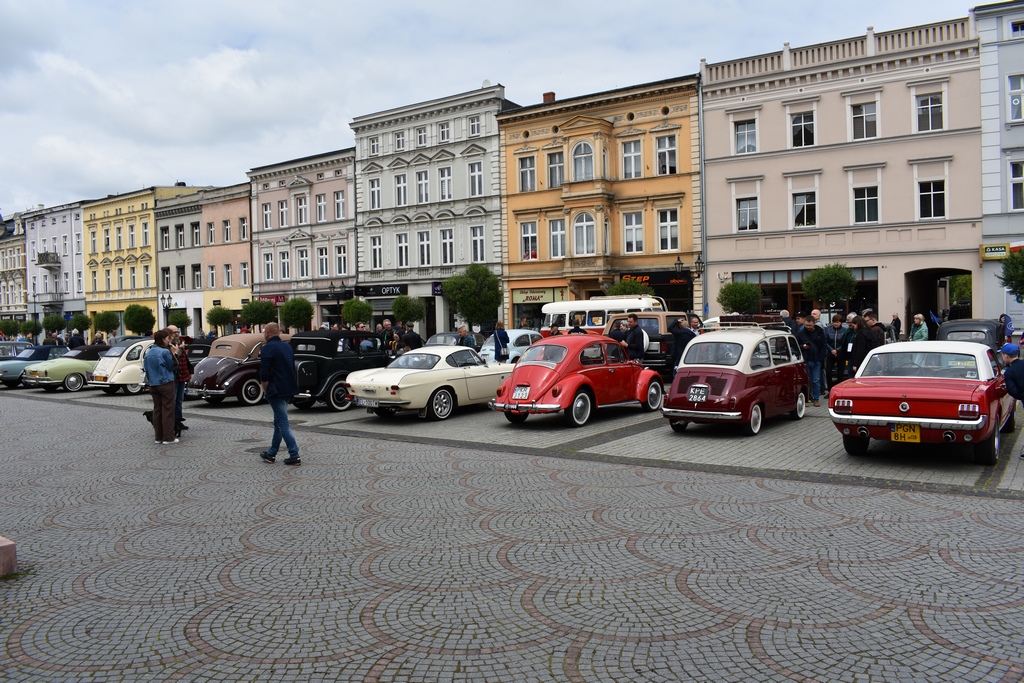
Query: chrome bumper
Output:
(923,423)
(203,393)
(676,414)
(526,407)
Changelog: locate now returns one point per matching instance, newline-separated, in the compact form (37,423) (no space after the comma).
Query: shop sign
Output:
(539,295)
(660,278)
(994,252)
(381,290)
(276,299)
(435,289)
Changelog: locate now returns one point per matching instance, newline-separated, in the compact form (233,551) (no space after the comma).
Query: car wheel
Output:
(655,394)
(578,413)
(251,393)
(856,445)
(12,384)
(753,425)
(384,412)
(213,400)
(678,425)
(801,407)
(49,389)
(1011,422)
(516,418)
(74,382)
(133,389)
(338,397)
(441,404)
(111,390)
(987,452)
(304,403)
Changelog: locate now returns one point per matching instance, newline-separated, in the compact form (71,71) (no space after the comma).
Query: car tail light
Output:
(843,405)
(664,347)
(556,390)
(346,385)
(500,391)
(969,411)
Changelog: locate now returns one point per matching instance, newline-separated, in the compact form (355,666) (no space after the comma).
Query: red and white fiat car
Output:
(926,392)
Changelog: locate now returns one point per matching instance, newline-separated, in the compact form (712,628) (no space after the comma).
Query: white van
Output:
(592,314)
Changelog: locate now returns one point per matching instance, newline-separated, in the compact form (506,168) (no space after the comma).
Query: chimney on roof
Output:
(181,183)
(549,97)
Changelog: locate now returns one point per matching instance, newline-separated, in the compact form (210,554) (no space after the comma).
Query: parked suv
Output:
(323,359)
(660,342)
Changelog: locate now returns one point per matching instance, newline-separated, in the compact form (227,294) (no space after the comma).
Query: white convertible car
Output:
(433,380)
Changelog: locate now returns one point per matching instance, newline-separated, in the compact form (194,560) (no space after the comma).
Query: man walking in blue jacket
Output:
(280,384)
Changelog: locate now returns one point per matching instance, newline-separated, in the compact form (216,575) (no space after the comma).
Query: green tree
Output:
(259,312)
(737,297)
(54,323)
(139,319)
(10,328)
(104,321)
(409,309)
(960,287)
(80,322)
(219,317)
(629,288)
(830,284)
(297,313)
(31,329)
(179,319)
(475,295)
(357,311)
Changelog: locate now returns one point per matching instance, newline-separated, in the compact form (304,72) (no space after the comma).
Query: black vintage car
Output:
(323,359)
(991,333)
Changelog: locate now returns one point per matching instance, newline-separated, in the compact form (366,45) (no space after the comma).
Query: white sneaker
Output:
(158,441)
(168,443)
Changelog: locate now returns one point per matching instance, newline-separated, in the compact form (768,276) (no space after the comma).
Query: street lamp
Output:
(698,266)
(166,301)
(338,293)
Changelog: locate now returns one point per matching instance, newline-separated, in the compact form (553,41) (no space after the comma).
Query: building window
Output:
(197,234)
(476,179)
(323,267)
(803,129)
(339,205)
(179,235)
(78,242)
(95,286)
(145,277)
(243,274)
(106,239)
(64,245)
(243,228)
(165,238)
(422,187)
(92,242)
(805,211)
(78,281)
(165,278)
(131,236)
(1017,29)
(932,194)
(424,244)
(197,277)
(668,230)
(285,265)
(421,136)
(210,233)
(266,216)
(119,237)
(666,154)
(282,213)
(401,190)
(227,275)
(400,141)
(527,174)
(582,162)
(864,121)
(302,210)
(746,137)
(633,229)
(632,163)
(476,237)
(376,253)
(929,112)
(1017,185)
(746,214)
(374,146)
(268,267)
(120,278)
(474,125)
(402,249)
(865,204)
(133,278)
(529,240)
(302,256)
(584,235)
(226,225)
(444,132)
(374,193)
(444,183)
(341,259)
(556,169)
(211,273)
(145,234)
(447,246)
(321,208)
(1016,90)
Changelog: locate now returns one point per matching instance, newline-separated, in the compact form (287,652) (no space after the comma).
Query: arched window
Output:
(583,162)
(584,235)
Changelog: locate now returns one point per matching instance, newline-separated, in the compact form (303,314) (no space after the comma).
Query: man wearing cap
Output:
(1014,373)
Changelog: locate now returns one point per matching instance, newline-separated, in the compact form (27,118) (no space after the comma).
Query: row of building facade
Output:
(897,153)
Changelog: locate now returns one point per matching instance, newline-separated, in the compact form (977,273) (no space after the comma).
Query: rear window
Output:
(712,353)
(545,353)
(967,335)
(931,364)
(116,351)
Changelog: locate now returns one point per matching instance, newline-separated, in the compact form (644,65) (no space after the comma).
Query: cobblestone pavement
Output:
(476,550)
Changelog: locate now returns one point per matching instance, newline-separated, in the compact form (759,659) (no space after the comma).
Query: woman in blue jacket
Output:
(159,366)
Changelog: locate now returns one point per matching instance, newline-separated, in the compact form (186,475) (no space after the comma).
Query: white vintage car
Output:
(433,380)
(120,367)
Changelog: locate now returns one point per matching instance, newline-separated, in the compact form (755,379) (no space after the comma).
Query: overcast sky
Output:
(100,97)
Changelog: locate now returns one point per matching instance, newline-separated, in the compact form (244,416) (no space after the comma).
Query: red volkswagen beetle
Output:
(574,374)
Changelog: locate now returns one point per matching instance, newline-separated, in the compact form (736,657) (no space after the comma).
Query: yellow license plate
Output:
(905,433)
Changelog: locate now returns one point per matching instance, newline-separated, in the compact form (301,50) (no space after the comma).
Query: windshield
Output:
(544,353)
(27,353)
(712,353)
(8,351)
(415,361)
(911,364)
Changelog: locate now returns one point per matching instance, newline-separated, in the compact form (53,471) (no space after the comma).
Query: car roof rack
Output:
(759,320)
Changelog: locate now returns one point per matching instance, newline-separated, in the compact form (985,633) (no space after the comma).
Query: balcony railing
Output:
(48,259)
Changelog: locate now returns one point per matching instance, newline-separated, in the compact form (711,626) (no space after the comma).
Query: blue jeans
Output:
(814,370)
(282,430)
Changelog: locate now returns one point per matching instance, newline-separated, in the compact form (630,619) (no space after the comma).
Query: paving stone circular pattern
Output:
(382,560)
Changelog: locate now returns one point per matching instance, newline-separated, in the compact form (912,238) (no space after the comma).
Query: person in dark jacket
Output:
(618,332)
(76,340)
(835,352)
(159,368)
(1014,373)
(411,338)
(280,384)
(813,343)
(634,341)
(465,338)
(864,340)
(683,332)
(501,342)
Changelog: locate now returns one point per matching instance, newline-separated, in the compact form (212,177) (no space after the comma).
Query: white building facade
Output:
(55,260)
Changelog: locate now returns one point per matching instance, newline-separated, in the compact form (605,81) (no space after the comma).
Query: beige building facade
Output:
(864,151)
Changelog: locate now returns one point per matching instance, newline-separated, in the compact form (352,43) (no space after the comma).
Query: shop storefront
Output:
(527,303)
(676,288)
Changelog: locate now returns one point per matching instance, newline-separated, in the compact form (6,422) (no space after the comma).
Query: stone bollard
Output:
(8,557)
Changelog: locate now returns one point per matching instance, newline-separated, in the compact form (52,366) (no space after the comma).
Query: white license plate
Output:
(699,393)
(191,392)
(521,393)
(368,402)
